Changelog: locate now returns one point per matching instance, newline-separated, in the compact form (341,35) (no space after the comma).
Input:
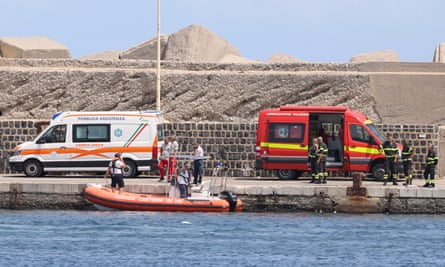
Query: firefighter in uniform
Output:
(407,153)
(313,159)
(431,162)
(322,156)
(391,152)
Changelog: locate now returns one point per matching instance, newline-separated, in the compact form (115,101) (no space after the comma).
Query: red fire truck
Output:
(284,135)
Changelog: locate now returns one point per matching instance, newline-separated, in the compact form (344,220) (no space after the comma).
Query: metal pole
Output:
(158,60)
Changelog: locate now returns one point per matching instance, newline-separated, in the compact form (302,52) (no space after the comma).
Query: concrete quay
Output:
(258,194)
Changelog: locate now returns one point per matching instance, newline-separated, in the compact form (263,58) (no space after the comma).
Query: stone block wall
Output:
(232,143)
(419,136)
(12,133)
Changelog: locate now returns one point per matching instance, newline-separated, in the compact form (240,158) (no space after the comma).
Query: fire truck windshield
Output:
(379,134)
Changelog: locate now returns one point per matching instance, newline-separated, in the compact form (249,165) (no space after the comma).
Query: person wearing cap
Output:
(115,171)
(431,162)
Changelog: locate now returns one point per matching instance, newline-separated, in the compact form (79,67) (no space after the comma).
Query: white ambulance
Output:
(87,141)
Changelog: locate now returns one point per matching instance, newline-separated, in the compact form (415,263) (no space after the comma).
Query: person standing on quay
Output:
(184,180)
(313,159)
(165,148)
(391,151)
(322,156)
(198,164)
(431,162)
(115,171)
(407,153)
(172,151)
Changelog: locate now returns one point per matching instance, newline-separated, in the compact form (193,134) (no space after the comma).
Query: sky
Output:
(311,30)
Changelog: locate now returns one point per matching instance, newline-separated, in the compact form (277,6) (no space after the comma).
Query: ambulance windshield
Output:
(379,134)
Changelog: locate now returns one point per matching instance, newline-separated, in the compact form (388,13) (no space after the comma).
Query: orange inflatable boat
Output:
(103,197)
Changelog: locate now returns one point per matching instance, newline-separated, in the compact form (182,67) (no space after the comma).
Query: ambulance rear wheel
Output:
(130,171)
(288,174)
(33,168)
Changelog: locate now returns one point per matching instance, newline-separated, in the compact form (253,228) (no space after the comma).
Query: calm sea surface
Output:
(71,238)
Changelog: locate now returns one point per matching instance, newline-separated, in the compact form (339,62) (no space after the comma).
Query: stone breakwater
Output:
(258,196)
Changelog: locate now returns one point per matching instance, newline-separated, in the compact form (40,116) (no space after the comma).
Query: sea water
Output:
(74,238)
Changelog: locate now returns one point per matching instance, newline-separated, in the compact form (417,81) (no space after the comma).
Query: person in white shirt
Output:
(165,149)
(198,164)
(172,151)
(115,171)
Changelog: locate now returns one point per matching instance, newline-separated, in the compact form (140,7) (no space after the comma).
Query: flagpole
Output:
(158,60)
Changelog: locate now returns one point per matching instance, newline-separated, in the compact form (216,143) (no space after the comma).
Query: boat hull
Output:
(104,197)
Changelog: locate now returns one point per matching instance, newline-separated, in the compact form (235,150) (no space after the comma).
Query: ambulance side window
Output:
(91,133)
(55,134)
(360,134)
(160,129)
(286,132)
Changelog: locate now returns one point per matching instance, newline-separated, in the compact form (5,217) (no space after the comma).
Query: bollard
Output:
(357,189)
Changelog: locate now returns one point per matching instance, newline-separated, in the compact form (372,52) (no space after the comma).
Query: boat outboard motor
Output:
(229,197)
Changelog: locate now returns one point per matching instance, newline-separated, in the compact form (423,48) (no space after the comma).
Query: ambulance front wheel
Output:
(33,168)
(130,171)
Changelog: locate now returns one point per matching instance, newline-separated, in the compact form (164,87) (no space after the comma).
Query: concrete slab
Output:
(319,189)
(308,191)
(408,192)
(146,50)
(32,47)
(439,193)
(424,192)
(288,191)
(68,189)
(4,187)
(337,191)
(395,192)
(376,191)
(253,190)
(267,190)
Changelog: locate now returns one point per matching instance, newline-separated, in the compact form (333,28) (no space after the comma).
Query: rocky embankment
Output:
(190,92)
(386,92)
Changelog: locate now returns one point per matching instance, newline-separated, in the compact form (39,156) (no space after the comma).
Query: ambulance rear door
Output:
(286,148)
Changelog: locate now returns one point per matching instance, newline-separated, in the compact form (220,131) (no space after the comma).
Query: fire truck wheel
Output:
(287,174)
(378,171)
